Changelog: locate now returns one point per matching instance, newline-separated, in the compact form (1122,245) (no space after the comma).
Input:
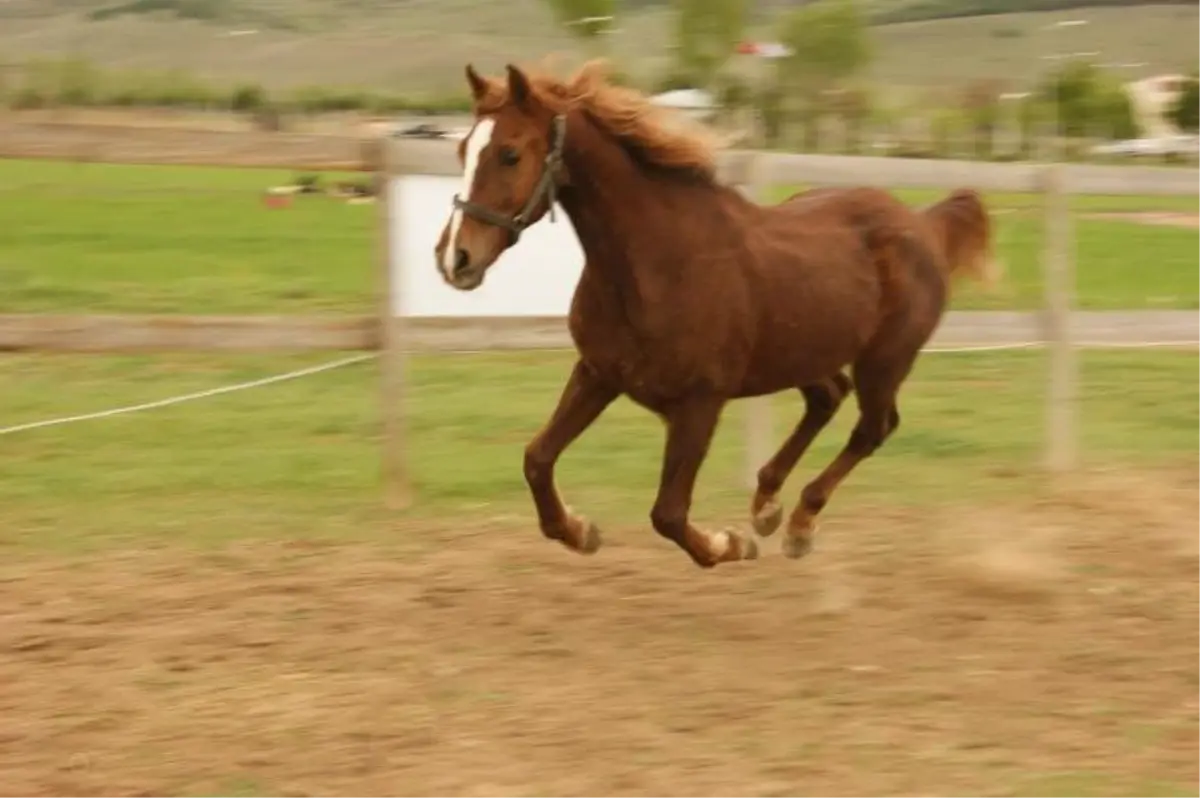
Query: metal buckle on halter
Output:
(547,188)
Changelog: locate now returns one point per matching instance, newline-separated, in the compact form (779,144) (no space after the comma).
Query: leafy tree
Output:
(1185,111)
(1032,114)
(1111,112)
(828,43)
(707,33)
(982,106)
(769,101)
(1087,100)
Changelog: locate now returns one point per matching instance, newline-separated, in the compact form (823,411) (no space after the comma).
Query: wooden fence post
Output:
(1059,277)
(758,418)
(392,357)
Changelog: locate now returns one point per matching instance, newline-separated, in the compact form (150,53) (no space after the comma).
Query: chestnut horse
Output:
(692,295)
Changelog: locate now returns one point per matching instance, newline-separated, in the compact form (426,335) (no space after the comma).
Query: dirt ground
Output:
(1165,218)
(1041,647)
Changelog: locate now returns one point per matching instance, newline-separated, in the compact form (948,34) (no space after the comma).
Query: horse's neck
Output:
(627,221)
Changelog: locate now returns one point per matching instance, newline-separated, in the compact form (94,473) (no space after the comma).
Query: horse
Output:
(693,295)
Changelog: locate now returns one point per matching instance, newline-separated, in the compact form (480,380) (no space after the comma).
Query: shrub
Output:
(247,98)
(1087,100)
(1185,111)
(27,98)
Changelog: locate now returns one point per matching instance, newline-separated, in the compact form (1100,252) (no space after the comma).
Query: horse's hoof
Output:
(736,546)
(749,547)
(590,542)
(796,547)
(767,519)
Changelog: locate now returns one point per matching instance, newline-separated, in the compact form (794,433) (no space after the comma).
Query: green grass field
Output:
(140,239)
(301,458)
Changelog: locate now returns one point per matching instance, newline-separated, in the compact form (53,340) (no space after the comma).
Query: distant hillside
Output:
(884,13)
(420,46)
(293,14)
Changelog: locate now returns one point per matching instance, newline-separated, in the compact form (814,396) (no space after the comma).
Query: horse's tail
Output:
(962,229)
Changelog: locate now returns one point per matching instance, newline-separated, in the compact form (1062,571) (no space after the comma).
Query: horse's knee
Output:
(537,465)
(813,498)
(769,480)
(867,436)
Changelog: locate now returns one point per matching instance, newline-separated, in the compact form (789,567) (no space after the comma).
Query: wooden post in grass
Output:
(396,485)
(758,421)
(1059,278)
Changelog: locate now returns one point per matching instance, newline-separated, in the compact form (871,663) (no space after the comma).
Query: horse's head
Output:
(512,166)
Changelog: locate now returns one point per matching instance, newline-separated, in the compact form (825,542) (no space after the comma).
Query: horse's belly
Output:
(798,348)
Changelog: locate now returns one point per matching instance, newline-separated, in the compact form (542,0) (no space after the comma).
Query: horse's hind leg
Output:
(690,428)
(821,402)
(876,385)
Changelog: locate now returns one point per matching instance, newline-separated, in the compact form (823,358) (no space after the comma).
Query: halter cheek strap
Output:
(546,189)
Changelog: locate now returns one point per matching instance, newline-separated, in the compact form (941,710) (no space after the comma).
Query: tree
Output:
(1032,114)
(1185,111)
(1086,100)
(1111,112)
(982,105)
(853,106)
(828,43)
(707,33)
(588,20)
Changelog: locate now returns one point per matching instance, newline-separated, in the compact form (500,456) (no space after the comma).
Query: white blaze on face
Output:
(477,139)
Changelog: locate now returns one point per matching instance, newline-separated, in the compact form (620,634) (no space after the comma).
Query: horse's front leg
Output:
(583,399)
(690,428)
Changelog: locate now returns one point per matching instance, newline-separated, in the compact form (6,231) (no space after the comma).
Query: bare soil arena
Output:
(1043,648)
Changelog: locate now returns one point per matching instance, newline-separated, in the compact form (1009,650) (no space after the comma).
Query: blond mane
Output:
(653,135)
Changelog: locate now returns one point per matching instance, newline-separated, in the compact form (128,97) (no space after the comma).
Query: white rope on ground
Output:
(349,361)
(175,400)
(1075,345)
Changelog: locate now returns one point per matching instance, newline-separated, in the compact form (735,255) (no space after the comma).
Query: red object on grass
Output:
(273,200)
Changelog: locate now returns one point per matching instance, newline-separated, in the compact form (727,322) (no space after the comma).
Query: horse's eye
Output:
(509,156)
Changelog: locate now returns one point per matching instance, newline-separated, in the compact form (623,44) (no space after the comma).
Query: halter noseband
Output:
(546,188)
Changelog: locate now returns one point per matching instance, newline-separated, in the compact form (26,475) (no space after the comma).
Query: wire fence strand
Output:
(355,359)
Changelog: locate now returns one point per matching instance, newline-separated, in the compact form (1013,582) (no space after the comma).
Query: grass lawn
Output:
(138,239)
(300,459)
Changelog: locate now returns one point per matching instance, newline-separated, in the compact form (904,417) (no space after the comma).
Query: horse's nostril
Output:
(461,260)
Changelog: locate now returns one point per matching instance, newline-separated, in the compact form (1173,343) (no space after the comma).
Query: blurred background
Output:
(926,78)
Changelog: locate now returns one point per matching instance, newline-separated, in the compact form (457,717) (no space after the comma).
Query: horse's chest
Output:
(621,358)
(650,360)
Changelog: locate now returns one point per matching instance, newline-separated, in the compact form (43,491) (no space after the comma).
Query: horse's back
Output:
(903,252)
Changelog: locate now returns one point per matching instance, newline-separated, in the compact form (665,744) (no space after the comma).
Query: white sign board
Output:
(536,277)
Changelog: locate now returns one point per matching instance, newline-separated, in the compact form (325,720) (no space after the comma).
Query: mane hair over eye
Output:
(655,137)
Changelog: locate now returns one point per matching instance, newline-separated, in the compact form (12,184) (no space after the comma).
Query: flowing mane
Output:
(654,136)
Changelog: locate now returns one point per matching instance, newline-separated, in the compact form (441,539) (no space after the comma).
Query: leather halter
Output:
(546,188)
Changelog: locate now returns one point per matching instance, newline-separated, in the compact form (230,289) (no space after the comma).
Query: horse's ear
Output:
(518,86)
(478,83)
